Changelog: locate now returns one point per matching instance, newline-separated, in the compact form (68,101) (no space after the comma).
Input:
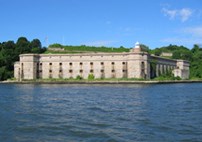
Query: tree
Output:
(23,45)
(35,46)
(144,47)
(195,49)
(35,43)
(176,55)
(186,55)
(157,52)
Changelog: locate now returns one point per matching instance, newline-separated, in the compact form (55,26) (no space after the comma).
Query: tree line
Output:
(10,51)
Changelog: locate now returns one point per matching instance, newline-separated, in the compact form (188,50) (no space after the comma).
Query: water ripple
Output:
(100,113)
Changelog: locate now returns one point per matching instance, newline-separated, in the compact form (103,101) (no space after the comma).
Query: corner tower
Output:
(138,64)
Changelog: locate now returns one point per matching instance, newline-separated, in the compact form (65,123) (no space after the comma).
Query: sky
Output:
(116,23)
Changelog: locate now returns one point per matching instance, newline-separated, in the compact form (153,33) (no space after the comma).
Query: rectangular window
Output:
(81,63)
(50,71)
(91,71)
(123,63)
(113,70)
(124,70)
(91,63)
(102,63)
(102,71)
(70,71)
(112,63)
(60,70)
(81,71)
(142,65)
(70,64)
(60,64)
(40,64)
(50,64)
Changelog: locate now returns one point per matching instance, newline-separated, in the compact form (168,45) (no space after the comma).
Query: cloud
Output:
(170,13)
(189,35)
(183,14)
(194,31)
(101,43)
(181,40)
(186,41)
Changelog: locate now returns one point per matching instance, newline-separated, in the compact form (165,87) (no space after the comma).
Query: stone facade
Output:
(133,64)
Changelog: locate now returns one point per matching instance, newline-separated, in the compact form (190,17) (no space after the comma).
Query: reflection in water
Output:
(169,112)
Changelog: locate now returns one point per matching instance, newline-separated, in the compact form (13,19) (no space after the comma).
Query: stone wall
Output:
(101,65)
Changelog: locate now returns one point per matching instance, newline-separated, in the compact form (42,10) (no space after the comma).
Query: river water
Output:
(101,113)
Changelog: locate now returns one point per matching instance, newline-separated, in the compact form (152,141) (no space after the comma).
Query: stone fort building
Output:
(133,64)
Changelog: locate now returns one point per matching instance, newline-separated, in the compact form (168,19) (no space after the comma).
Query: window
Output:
(113,70)
(102,71)
(50,64)
(112,63)
(123,63)
(91,63)
(124,70)
(102,63)
(81,71)
(81,63)
(70,71)
(40,64)
(70,64)
(60,70)
(50,71)
(142,65)
(40,70)
(91,71)
(60,64)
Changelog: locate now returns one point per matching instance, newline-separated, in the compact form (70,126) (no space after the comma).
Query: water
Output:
(101,113)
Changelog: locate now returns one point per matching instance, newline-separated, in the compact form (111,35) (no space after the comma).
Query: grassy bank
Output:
(101,81)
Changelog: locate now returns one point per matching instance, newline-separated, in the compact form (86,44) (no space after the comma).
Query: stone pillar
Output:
(157,69)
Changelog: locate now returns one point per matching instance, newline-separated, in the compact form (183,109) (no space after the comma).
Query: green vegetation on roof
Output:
(55,48)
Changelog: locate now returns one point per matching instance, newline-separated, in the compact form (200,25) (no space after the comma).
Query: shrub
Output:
(78,77)
(177,78)
(91,77)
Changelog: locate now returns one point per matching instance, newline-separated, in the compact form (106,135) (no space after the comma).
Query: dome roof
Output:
(137,45)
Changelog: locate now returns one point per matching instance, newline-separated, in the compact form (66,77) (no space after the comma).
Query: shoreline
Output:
(101,82)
